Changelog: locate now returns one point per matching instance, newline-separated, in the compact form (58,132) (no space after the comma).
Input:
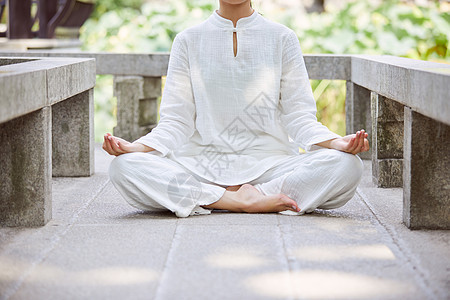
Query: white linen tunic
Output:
(231,118)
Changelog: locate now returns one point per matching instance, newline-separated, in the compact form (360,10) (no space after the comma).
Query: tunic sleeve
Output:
(177,109)
(298,108)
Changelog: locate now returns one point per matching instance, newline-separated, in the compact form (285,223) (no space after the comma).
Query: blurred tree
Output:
(316,6)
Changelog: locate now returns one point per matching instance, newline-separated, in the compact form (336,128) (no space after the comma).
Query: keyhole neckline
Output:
(227,24)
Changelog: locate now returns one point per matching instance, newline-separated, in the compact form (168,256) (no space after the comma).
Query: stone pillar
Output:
(73,136)
(426,172)
(26,168)
(357,112)
(387,142)
(137,107)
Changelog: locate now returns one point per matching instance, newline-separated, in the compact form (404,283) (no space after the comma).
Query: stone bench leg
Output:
(73,136)
(426,173)
(357,111)
(387,142)
(137,107)
(26,168)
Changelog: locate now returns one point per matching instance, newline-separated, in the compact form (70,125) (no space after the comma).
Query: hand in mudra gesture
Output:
(117,146)
(353,143)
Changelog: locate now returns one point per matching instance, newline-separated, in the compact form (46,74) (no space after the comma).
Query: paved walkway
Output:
(98,247)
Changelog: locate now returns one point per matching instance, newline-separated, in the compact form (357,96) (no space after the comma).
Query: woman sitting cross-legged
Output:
(236,107)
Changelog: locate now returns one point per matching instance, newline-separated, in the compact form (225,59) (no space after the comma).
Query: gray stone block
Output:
(387,173)
(357,111)
(387,141)
(426,181)
(152,87)
(148,112)
(11,61)
(73,136)
(151,64)
(398,78)
(60,74)
(337,66)
(137,107)
(25,162)
(22,90)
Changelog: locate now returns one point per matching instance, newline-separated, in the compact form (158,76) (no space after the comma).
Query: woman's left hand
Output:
(353,143)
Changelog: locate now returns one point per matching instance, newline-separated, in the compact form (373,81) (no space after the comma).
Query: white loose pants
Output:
(323,178)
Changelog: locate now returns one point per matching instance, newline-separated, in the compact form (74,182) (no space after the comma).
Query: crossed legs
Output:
(320,179)
(324,179)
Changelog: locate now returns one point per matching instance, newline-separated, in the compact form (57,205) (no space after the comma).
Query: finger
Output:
(107,146)
(366,142)
(353,143)
(355,149)
(114,145)
(360,145)
(366,145)
(113,150)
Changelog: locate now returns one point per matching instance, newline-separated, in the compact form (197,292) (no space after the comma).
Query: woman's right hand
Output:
(117,146)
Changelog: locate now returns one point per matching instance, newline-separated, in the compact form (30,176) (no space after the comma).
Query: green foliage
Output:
(148,29)
(392,28)
(361,27)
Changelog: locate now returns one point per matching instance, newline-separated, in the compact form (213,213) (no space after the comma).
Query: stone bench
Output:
(406,103)
(46,128)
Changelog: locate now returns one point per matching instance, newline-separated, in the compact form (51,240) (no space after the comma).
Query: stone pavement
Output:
(99,247)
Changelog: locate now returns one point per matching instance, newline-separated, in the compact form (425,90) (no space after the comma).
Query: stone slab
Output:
(42,82)
(25,162)
(114,262)
(387,172)
(68,78)
(223,262)
(387,141)
(425,251)
(349,250)
(110,208)
(328,66)
(423,86)
(128,90)
(426,172)
(74,194)
(358,113)
(22,248)
(23,90)
(152,64)
(12,61)
(73,135)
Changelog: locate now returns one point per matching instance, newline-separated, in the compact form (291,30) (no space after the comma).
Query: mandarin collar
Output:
(227,24)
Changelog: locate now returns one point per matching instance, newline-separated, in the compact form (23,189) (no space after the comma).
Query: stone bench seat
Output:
(46,129)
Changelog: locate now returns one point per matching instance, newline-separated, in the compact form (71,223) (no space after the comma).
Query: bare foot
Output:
(233,188)
(248,199)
